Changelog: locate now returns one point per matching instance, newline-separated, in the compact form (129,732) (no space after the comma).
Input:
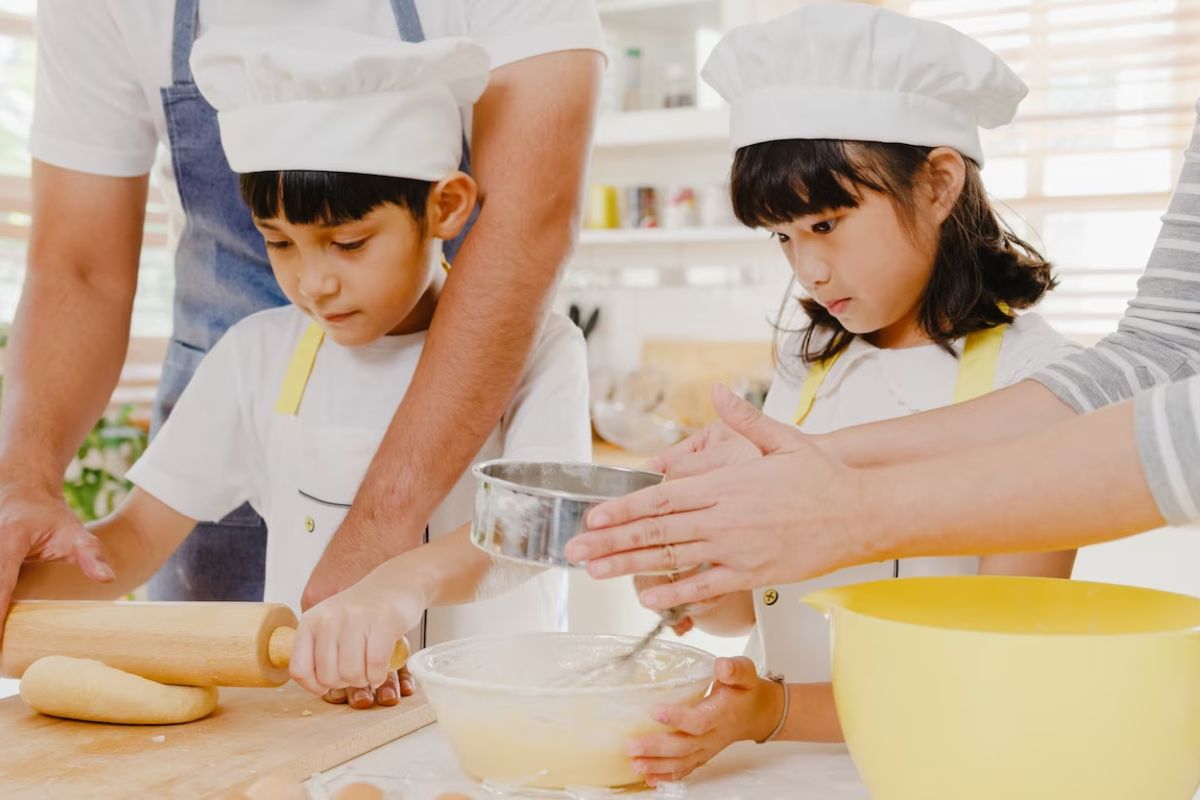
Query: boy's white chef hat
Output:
(851,71)
(333,100)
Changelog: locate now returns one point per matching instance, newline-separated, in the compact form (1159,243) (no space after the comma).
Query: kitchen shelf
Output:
(678,17)
(668,236)
(634,6)
(666,127)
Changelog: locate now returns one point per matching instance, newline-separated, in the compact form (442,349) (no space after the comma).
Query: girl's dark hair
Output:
(304,197)
(981,267)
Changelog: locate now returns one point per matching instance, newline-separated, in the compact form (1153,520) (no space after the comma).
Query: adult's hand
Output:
(718,445)
(37,525)
(790,514)
(796,513)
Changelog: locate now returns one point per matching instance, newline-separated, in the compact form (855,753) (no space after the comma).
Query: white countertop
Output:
(421,766)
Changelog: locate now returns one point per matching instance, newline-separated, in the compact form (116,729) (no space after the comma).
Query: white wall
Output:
(1167,559)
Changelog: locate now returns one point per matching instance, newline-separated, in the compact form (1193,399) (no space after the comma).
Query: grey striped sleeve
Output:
(1158,340)
(1167,419)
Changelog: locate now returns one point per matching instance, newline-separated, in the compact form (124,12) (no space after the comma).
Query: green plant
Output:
(95,481)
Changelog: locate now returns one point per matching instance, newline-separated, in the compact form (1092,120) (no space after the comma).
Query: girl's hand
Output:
(740,706)
(343,643)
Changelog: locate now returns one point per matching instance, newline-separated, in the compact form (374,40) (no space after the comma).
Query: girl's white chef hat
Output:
(334,100)
(852,71)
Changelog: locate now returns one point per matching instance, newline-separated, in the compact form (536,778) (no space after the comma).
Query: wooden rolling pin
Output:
(188,644)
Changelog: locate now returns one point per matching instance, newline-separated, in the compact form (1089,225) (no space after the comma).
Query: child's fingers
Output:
(406,683)
(388,693)
(379,648)
(301,666)
(325,656)
(658,770)
(685,625)
(663,746)
(360,697)
(335,696)
(696,720)
(352,646)
(738,672)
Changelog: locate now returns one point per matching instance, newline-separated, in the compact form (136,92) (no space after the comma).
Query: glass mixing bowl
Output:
(515,713)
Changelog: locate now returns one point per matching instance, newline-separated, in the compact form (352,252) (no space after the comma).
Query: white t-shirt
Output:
(866,385)
(101,64)
(225,444)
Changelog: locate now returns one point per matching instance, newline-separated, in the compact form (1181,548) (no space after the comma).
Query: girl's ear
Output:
(450,204)
(947,173)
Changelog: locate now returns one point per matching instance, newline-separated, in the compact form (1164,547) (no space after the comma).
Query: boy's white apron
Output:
(316,479)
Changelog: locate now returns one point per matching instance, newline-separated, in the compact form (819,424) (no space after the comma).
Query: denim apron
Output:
(221,276)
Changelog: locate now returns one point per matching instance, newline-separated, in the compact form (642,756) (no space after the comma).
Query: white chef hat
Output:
(854,72)
(334,100)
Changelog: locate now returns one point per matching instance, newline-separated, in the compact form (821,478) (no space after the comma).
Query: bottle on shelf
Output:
(678,87)
(632,69)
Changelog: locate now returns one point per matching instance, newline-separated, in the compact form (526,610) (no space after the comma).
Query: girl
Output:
(348,147)
(857,147)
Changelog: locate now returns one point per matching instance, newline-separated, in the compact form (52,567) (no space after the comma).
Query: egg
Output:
(359,791)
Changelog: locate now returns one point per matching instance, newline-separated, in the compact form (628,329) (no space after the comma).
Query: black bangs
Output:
(329,198)
(776,182)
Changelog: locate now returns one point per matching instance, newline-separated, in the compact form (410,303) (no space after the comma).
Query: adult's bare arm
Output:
(531,137)
(64,357)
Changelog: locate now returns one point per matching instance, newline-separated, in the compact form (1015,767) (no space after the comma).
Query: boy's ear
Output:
(451,201)
(947,171)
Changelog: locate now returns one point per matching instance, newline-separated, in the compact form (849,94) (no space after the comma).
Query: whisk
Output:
(667,619)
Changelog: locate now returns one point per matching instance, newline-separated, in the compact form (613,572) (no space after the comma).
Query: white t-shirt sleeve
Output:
(512,30)
(90,113)
(1030,345)
(200,462)
(549,419)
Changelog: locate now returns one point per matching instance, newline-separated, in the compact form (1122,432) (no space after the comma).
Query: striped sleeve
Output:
(1167,419)
(1158,340)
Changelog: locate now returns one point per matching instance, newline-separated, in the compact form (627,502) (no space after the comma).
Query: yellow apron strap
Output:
(976,371)
(299,368)
(817,374)
(977,366)
(445,264)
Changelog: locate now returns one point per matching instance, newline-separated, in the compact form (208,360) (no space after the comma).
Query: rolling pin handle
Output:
(279,648)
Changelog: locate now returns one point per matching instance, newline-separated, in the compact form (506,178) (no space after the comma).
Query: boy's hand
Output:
(395,686)
(343,644)
(740,706)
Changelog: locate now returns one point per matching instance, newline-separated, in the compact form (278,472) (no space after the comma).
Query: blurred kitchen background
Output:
(676,294)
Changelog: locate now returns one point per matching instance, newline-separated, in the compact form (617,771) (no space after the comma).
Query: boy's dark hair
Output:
(304,197)
(981,265)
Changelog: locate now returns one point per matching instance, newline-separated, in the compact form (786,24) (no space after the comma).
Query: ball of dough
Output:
(80,688)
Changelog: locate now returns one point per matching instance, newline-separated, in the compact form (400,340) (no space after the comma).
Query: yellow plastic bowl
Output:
(988,688)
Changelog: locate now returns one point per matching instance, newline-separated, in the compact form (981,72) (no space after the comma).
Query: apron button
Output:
(770,597)
(309,524)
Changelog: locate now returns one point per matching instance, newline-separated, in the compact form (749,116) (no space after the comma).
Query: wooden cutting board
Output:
(252,733)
